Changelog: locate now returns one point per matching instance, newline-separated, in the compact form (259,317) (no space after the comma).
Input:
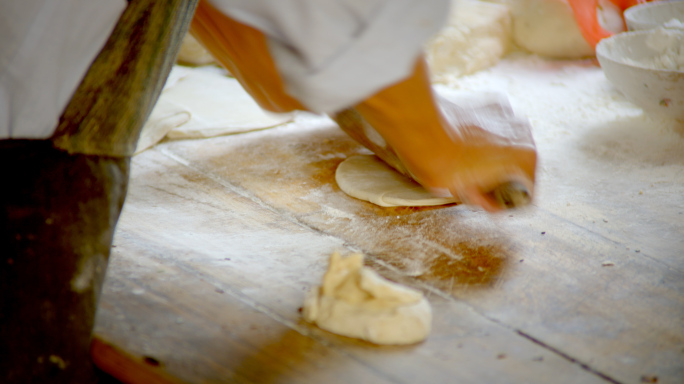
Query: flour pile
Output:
(669,45)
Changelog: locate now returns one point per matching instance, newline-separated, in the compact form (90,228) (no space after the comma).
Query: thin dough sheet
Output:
(218,105)
(203,102)
(368,178)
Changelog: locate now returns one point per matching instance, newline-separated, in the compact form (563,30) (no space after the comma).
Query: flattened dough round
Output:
(218,105)
(366,177)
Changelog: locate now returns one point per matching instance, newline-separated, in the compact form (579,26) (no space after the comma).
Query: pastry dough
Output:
(355,301)
(164,118)
(218,105)
(203,102)
(366,177)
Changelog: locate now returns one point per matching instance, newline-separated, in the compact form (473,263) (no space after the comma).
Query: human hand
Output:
(490,151)
(463,147)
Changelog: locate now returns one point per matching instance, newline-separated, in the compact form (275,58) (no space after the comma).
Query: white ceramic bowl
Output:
(652,15)
(657,91)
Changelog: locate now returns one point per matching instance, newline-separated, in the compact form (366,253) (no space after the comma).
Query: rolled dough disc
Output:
(354,301)
(218,105)
(366,177)
(203,102)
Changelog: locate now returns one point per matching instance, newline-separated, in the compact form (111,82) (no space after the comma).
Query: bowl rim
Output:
(601,50)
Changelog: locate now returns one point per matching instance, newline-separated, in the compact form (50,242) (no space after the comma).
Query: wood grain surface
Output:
(220,239)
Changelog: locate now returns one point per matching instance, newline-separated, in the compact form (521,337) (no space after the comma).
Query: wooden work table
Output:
(220,239)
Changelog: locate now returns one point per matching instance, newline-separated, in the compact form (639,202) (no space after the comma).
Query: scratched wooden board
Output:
(586,286)
(208,281)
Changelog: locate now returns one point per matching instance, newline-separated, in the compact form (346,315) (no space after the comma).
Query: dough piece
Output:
(355,301)
(218,105)
(476,37)
(366,177)
(547,28)
(164,117)
(193,53)
(202,102)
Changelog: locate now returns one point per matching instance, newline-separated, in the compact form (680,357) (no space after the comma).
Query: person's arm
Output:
(467,161)
(243,51)
(470,161)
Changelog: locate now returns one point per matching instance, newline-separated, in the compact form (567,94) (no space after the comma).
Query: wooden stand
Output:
(62,197)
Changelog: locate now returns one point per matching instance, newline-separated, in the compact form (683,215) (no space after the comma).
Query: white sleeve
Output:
(333,54)
(46,47)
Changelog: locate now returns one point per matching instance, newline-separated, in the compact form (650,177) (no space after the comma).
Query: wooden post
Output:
(107,112)
(61,199)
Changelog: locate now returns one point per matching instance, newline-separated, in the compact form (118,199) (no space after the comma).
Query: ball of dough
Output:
(547,28)
(354,301)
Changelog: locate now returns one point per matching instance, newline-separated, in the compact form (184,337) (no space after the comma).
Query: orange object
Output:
(587,18)
(243,51)
(408,116)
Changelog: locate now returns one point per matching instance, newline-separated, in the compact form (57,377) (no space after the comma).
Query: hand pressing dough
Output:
(477,36)
(354,301)
(366,177)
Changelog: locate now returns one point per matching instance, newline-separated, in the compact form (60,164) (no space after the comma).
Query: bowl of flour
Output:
(648,68)
(652,15)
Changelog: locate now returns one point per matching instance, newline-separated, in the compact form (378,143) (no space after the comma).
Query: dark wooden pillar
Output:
(60,199)
(56,227)
(116,96)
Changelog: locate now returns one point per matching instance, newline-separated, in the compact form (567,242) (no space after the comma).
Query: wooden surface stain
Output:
(220,240)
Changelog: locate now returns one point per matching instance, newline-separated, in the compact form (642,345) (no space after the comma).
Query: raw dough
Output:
(203,102)
(355,301)
(366,177)
(476,37)
(164,118)
(548,27)
(218,105)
